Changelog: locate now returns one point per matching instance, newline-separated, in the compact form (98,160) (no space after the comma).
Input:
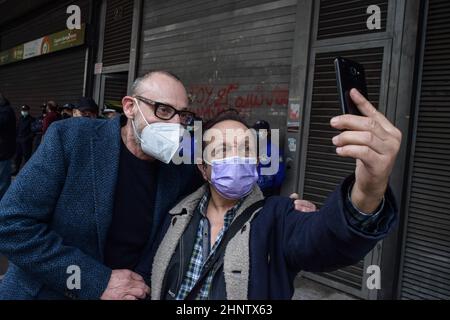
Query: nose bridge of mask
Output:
(234,160)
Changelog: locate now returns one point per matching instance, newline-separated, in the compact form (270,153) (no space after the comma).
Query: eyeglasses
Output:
(167,112)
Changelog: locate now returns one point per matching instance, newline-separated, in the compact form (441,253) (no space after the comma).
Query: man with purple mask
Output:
(225,241)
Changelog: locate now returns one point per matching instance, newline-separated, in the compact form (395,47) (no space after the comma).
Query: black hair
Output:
(52,105)
(225,115)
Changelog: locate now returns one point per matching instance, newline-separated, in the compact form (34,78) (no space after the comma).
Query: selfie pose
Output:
(94,196)
(225,241)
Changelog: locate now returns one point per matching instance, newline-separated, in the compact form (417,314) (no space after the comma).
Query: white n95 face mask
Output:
(160,140)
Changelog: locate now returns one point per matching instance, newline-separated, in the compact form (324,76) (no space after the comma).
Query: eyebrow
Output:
(159,102)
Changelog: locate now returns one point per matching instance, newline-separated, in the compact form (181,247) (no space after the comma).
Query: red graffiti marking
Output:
(209,100)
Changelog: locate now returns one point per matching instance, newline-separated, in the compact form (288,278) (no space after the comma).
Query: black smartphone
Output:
(349,75)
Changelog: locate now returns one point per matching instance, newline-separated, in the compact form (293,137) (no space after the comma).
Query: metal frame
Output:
(101,39)
(412,142)
(86,70)
(116,68)
(135,42)
(131,66)
(298,87)
(399,102)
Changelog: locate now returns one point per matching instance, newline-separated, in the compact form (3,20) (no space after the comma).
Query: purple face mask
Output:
(234,177)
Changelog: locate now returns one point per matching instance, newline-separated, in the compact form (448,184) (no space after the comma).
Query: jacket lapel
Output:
(105,151)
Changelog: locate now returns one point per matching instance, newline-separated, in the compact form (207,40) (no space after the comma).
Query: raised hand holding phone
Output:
(374,142)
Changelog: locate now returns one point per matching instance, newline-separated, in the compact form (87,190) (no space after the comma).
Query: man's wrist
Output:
(365,203)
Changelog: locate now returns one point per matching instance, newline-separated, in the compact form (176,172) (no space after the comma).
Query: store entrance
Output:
(113,89)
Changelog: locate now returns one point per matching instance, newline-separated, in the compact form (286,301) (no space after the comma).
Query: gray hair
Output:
(137,83)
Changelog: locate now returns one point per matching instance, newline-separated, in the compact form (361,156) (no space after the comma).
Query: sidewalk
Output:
(306,289)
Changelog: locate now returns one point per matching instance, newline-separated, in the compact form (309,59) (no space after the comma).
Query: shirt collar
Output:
(203,205)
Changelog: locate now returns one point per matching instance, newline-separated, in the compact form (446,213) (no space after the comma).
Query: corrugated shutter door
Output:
(58,76)
(118,25)
(348,17)
(426,260)
(115,90)
(324,169)
(228,53)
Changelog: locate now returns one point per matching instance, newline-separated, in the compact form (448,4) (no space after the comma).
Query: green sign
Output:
(51,43)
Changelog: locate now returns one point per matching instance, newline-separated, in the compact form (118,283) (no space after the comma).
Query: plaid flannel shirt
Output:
(203,251)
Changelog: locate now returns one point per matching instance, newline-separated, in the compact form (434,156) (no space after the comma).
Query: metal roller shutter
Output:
(118,25)
(228,53)
(324,169)
(115,90)
(347,18)
(58,76)
(426,256)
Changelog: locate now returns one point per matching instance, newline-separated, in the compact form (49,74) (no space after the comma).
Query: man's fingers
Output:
(136,276)
(361,138)
(137,292)
(358,123)
(369,110)
(305,209)
(362,103)
(364,153)
(139,285)
(294,196)
(304,206)
(129,297)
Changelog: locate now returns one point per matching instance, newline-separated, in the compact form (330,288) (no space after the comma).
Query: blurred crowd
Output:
(22,132)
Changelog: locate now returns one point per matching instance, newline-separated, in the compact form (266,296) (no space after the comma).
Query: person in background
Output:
(109,113)
(67,111)
(87,108)
(51,116)
(7,143)
(36,127)
(24,138)
(270,184)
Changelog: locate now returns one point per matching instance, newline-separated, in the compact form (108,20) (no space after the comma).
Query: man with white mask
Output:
(81,220)
(87,207)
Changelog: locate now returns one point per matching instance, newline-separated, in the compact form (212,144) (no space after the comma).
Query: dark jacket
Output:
(57,212)
(262,260)
(49,119)
(7,132)
(24,132)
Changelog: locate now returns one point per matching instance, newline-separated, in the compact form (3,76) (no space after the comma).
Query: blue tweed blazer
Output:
(57,212)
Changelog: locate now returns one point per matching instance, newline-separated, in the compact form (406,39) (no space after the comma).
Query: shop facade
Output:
(273,60)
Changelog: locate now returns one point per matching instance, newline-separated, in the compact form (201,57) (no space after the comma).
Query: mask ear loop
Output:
(204,165)
(138,136)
